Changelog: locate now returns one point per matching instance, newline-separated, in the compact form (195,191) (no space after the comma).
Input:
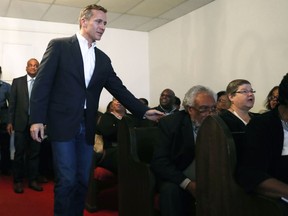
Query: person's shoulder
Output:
(265,119)
(5,84)
(20,78)
(68,38)
(267,115)
(177,116)
(226,114)
(62,40)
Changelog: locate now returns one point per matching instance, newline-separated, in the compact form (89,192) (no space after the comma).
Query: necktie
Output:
(31,86)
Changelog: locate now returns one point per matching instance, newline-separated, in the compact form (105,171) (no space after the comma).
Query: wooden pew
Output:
(135,180)
(218,194)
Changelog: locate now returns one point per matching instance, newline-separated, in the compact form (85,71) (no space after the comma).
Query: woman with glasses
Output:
(272,98)
(264,168)
(241,97)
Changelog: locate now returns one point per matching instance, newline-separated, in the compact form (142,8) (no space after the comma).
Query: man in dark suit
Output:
(4,136)
(26,149)
(173,160)
(65,97)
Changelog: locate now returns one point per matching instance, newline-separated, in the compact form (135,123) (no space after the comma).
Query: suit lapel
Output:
(77,57)
(187,132)
(96,68)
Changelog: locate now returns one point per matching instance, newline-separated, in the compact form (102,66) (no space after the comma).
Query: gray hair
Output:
(189,98)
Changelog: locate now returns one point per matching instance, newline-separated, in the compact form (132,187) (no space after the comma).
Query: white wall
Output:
(222,41)
(21,40)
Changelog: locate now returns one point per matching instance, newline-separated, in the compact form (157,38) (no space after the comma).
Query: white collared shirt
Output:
(285,144)
(29,80)
(88,56)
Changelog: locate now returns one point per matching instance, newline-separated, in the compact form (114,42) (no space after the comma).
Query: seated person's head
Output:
(167,99)
(199,102)
(177,103)
(272,98)
(283,91)
(222,101)
(240,94)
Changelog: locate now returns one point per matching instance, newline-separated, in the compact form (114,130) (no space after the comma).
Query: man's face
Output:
(94,28)
(32,67)
(167,99)
(117,106)
(205,105)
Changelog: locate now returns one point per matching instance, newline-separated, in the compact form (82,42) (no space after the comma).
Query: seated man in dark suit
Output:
(172,162)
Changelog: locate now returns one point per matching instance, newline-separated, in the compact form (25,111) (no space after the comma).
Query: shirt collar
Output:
(83,41)
(29,78)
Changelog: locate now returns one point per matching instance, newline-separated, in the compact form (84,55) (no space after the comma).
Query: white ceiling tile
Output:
(112,16)
(152,8)
(140,15)
(153,24)
(119,6)
(184,8)
(129,22)
(76,3)
(40,1)
(4,7)
(62,14)
(27,10)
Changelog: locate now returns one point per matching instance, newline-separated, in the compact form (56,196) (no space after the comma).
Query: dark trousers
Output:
(174,201)
(5,164)
(26,153)
(46,159)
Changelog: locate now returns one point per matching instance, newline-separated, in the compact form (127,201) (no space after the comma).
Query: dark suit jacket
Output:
(262,151)
(19,104)
(59,91)
(177,148)
(5,89)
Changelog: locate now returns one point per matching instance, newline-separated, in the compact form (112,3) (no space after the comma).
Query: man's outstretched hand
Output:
(153,115)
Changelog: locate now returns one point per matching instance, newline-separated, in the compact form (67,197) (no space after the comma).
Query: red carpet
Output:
(32,203)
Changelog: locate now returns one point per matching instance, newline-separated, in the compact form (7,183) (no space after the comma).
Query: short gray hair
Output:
(189,98)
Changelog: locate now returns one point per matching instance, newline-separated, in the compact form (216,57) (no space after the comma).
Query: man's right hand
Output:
(191,187)
(37,132)
(9,128)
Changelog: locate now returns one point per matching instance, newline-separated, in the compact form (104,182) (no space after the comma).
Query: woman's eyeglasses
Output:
(246,92)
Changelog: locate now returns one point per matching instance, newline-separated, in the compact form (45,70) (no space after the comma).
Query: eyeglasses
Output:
(205,109)
(222,100)
(246,92)
(273,98)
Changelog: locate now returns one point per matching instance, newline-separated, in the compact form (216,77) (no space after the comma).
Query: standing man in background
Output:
(5,165)
(26,149)
(65,97)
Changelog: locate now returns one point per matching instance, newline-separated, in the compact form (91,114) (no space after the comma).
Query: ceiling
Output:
(138,15)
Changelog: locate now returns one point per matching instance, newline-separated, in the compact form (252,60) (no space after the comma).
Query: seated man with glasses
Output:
(173,159)
(241,96)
